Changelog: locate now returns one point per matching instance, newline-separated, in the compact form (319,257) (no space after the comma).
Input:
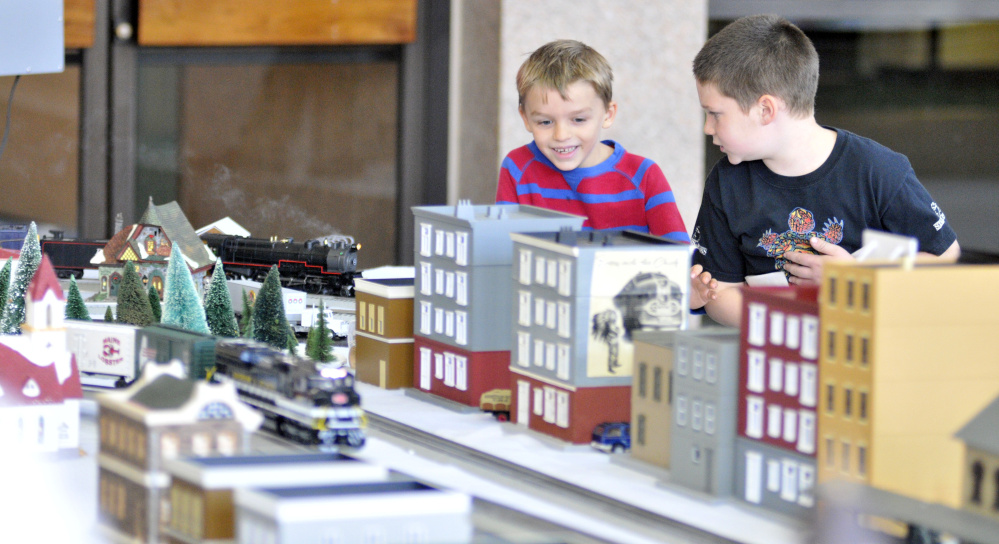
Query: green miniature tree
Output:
(75,308)
(108,316)
(270,324)
(292,345)
(246,321)
(5,282)
(133,302)
(218,305)
(154,303)
(310,341)
(27,264)
(322,343)
(181,303)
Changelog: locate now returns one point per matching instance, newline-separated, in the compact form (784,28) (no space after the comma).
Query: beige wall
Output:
(650,44)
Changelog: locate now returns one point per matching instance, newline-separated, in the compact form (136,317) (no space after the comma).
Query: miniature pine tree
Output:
(154,303)
(75,308)
(108,316)
(292,346)
(322,345)
(246,320)
(27,264)
(181,303)
(5,282)
(133,302)
(310,341)
(218,305)
(270,324)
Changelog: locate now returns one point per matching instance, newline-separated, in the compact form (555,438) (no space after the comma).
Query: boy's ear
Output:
(768,105)
(523,116)
(610,114)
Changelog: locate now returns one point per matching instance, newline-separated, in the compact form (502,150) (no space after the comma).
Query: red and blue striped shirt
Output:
(625,191)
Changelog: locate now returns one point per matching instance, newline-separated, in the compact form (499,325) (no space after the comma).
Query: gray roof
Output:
(165,392)
(982,432)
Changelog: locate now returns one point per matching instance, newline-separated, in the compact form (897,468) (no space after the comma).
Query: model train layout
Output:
(314,266)
(302,400)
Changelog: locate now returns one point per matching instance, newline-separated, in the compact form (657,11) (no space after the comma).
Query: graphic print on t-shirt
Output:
(802,227)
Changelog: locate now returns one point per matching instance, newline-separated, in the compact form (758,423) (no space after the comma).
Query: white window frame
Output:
(756,326)
(524,275)
(426,239)
(755,370)
(754,416)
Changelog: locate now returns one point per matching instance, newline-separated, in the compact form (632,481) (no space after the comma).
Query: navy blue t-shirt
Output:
(750,216)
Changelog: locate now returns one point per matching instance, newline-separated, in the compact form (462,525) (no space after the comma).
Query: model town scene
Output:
(785,343)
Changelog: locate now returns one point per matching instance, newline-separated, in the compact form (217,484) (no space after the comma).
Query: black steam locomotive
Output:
(315,266)
(302,400)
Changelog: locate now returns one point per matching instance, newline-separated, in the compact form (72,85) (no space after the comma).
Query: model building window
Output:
(830,452)
(789,480)
(539,401)
(563,362)
(862,405)
(642,379)
(371,317)
(831,284)
(773,420)
(681,360)
(425,369)
(449,369)
(711,368)
(438,321)
(845,457)
(755,362)
(539,311)
(550,356)
(226,443)
(439,242)
(809,337)
(449,284)
(754,417)
(793,336)
(849,294)
(790,425)
(697,370)
(461,257)
(806,432)
(757,324)
(523,348)
(696,415)
(776,374)
(425,311)
(640,429)
(865,296)
(461,328)
(525,266)
(861,460)
(461,372)
(524,308)
(449,324)
(426,238)
(439,281)
(657,384)
(201,444)
(831,344)
(539,352)
(381,319)
(977,475)
(809,384)
(777,328)
(709,418)
(550,407)
(439,366)
(681,410)
(847,402)
(864,353)
(564,277)
(449,244)
(562,409)
(551,317)
(539,270)
(169,446)
(461,294)
(773,475)
(830,398)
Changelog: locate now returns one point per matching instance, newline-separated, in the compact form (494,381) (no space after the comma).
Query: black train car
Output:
(70,257)
(315,266)
(301,400)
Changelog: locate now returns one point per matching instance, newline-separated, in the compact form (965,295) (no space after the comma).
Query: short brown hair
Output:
(560,63)
(758,55)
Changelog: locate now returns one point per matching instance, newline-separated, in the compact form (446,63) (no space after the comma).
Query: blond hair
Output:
(758,55)
(558,64)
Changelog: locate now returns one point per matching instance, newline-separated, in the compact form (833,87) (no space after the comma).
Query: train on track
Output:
(319,266)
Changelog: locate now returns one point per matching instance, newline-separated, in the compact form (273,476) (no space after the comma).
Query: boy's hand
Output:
(806,268)
(702,287)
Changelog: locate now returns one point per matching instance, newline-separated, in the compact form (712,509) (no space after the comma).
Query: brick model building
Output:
(162,416)
(461,306)
(909,354)
(778,398)
(705,389)
(577,297)
(383,332)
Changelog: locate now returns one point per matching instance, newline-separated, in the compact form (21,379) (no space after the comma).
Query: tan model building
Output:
(384,332)
(651,407)
(908,355)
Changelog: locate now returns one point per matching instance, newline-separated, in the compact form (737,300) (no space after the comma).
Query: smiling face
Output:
(567,130)
(734,131)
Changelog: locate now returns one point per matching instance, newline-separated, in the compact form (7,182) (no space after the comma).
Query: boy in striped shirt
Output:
(565,101)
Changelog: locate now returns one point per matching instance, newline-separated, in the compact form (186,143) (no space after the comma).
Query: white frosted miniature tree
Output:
(27,264)
(218,305)
(181,303)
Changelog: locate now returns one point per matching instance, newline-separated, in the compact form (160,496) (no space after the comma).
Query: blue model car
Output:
(612,437)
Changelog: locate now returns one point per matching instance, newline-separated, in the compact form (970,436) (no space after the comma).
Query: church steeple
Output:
(45,309)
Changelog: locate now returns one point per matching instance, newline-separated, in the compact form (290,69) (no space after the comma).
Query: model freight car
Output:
(315,266)
(70,257)
(112,354)
(302,400)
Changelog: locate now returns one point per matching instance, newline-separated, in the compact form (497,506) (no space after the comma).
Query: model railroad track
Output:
(647,524)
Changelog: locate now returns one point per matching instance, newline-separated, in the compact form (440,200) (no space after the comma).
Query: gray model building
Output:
(705,390)
(981,462)
(395,512)
(462,259)
(578,296)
